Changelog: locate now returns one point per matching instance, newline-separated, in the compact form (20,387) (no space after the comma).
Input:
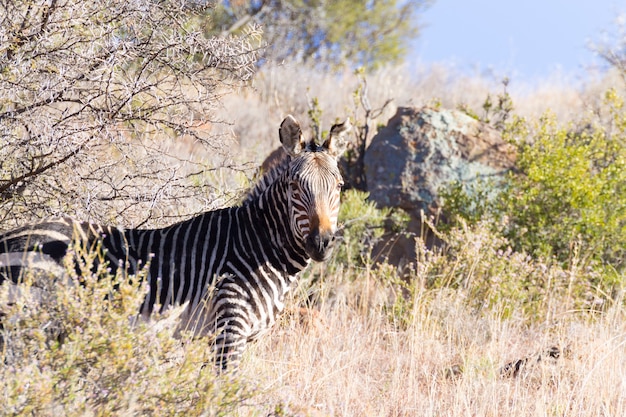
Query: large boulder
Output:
(422,150)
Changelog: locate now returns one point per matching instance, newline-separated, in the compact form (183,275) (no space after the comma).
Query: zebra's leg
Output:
(226,323)
(228,348)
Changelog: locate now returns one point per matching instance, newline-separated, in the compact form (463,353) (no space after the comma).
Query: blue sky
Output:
(527,40)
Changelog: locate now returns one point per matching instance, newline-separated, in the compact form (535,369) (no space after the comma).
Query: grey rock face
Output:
(421,150)
(415,155)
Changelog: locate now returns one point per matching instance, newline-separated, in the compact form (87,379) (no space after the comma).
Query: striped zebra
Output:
(232,266)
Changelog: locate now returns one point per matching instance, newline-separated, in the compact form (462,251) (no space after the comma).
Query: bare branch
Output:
(106,108)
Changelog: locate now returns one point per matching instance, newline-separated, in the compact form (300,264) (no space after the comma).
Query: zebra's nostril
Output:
(319,245)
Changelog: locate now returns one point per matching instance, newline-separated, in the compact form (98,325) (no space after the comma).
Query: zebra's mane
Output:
(275,170)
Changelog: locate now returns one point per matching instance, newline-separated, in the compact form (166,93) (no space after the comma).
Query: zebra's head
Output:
(314,185)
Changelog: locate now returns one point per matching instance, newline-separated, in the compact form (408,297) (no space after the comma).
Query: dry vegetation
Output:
(368,350)
(447,362)
(364,343)
(351,344)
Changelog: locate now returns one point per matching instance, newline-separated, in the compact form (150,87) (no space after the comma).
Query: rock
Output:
(419,152)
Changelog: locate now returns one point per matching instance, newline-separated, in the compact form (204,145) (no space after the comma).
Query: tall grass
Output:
(354,354)
(355,341)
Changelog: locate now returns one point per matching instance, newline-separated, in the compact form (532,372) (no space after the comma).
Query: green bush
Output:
(362,225)
(81,350)
(571,191)
(567,198)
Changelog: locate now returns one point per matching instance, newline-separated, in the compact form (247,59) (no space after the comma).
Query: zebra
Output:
(232,266)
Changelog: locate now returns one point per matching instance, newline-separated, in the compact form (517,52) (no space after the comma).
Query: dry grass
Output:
(345,355)
(340,362)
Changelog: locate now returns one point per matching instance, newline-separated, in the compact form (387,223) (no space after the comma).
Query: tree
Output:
(613,48)
(102,102)
(327,33)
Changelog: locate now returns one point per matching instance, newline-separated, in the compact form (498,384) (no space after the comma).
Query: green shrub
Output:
(362,225)
(571,190)
(567,199)
(81,350)
(469,203)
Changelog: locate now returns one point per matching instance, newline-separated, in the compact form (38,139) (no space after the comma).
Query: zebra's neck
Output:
(269,213)
(275,174)
(259,230)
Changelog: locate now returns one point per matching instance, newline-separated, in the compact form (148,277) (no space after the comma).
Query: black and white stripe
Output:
(233,266)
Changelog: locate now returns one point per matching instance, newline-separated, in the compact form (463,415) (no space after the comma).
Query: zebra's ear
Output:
(290,135)
(337,142)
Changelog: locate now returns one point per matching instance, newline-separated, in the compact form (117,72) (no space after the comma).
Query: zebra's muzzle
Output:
(319,246)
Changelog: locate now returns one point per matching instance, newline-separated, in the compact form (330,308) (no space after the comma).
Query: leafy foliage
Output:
(566,201)
(573,191)
(327,33)
(362,225)
(73,349)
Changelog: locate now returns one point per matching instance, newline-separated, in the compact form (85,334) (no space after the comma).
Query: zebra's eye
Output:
(340,185)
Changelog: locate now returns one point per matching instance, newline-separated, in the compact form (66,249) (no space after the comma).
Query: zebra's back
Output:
(48,241)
